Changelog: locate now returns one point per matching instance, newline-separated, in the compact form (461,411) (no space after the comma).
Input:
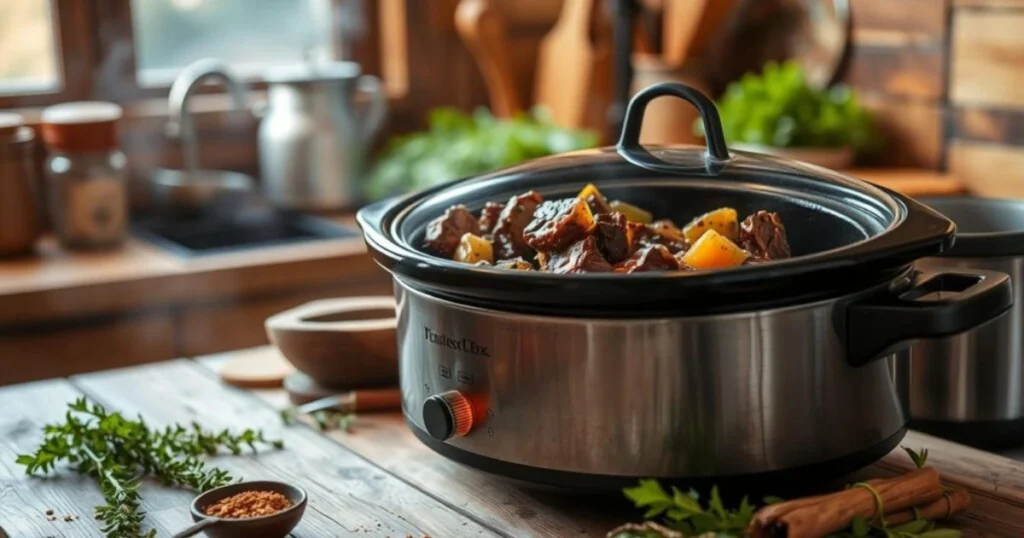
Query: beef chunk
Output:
(582,257)
(657,233)
(444,232)
(489,217)
(763,235)
(516,264)
(513,219)
(649,258)
(612,235)
(557,224)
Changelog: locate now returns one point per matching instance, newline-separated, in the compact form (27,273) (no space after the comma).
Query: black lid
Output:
(985,227)
(844,233)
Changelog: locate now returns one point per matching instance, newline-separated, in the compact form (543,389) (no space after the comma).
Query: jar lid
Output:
(81,112)
(10,123)
(81,126)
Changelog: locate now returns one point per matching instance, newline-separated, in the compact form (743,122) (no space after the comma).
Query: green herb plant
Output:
(324,420)
(458,145)
(683,512)
(779,108)
(118,452)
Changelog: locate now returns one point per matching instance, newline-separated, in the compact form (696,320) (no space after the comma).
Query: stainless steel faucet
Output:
(180,124)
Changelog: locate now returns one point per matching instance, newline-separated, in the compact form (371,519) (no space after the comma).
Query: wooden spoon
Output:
(690,25)
(574,70)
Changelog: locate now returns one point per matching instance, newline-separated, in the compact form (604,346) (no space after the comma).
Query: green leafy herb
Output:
(458,145)
(324,420)
(779,108)
(684,512)
(118,452)
(919,458)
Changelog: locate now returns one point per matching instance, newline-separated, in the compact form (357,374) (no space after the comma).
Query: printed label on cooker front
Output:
(465,345)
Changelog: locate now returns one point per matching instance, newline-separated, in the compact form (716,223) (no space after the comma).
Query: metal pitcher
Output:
(314,135)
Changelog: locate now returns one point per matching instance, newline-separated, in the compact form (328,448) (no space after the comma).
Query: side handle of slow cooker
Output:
(938,304)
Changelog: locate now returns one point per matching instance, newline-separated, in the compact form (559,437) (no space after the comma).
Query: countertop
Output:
(58,284)
(376,479)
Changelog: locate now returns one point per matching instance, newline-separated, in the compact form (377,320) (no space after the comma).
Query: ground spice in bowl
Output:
(249,504)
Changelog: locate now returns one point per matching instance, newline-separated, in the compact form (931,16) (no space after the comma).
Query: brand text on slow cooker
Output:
(466,345)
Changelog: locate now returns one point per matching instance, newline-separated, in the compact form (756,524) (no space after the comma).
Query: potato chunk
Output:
(474,249)
(632,212)
(722,220)
(593,197)
(714,251)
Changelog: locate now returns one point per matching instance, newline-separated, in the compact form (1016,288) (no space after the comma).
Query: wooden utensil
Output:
(346,342)
(574,69)
(690,25)
(265,370)
(357,401)
(481,26)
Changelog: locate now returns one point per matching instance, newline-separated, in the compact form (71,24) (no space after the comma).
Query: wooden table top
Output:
(377,479)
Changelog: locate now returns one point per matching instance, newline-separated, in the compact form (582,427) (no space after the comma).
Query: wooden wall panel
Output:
(912,133)
(988,169)
(922,17)
(988,57)
(914,71)
(1003,126)
(96,345)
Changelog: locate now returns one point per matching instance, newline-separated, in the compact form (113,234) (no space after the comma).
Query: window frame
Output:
(97,61)
(75,50)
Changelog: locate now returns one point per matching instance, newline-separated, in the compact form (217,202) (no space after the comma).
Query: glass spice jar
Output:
(86,174)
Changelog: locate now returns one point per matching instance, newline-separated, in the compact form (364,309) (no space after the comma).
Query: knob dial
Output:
(447,414)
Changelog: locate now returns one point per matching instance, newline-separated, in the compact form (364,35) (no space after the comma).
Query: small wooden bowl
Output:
(340,343)
(273,526)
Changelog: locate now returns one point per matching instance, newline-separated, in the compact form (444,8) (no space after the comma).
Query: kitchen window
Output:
(29,60)
(130,50)
(250,35)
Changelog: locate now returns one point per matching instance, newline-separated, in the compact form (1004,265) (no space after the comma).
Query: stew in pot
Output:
(589,234)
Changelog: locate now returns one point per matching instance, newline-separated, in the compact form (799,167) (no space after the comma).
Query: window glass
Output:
(28,47)
(248,34)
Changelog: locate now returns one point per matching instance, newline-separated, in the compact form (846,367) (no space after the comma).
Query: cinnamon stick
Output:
(819,516)
(951,503)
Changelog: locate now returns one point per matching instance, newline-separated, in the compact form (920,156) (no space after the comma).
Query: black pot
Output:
(594,379)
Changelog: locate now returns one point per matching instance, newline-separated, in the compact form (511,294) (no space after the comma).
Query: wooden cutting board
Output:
(574,69)
(689,25)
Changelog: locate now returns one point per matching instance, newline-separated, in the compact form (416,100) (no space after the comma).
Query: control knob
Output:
(447,414)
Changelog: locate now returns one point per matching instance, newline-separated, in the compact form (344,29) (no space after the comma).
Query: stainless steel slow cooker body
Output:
(970,387)
(596,379)
(569,401)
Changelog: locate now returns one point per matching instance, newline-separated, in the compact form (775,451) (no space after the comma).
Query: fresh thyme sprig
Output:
(118,452)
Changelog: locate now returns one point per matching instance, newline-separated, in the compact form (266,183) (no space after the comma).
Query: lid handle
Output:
(629,141)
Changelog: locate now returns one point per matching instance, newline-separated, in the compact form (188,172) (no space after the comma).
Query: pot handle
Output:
(936,304)
(629,140)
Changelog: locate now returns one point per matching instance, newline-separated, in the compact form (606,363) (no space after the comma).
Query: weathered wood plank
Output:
(1005,126)
(911,131)
(385,440)
(988,169)
(24,409)
(913,71)
(346,493)
(987,55)
(922,17)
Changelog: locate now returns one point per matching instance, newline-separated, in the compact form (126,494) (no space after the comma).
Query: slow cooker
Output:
(763,371)
(970,387)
